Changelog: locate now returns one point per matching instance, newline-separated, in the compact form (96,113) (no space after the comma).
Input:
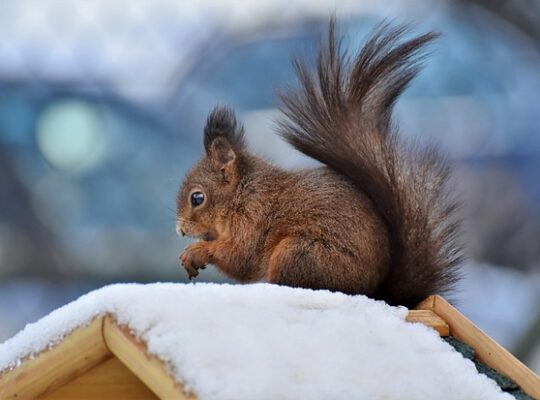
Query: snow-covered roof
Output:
(265,342)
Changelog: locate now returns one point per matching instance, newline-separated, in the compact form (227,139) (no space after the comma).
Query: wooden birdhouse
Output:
(101,347)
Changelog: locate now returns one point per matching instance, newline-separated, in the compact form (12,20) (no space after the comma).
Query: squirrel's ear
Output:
(223,158)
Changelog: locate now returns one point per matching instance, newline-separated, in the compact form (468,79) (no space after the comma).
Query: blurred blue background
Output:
(102,105)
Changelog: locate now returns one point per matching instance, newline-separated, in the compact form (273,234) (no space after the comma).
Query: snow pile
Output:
(268,342)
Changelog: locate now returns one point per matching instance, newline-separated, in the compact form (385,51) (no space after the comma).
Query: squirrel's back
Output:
(342,117)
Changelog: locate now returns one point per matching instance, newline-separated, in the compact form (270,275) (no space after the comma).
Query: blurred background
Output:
(102,105)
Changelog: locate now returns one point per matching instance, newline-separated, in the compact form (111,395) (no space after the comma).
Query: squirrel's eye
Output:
(197,198)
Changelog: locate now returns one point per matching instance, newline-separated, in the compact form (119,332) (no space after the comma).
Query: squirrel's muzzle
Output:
(179,230)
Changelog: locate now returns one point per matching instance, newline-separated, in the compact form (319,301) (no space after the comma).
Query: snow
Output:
(265,342)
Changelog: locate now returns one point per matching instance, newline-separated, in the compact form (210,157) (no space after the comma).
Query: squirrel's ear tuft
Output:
(223,141)
(221,124)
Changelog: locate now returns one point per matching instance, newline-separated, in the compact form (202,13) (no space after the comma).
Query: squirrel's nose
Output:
(182,232)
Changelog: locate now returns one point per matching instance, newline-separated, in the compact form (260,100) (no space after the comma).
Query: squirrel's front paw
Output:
(195,257)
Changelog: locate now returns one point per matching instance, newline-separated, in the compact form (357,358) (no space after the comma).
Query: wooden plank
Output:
(78,352)
(145,366)
(430,319)
(487,350)
(427,304)
(109,380)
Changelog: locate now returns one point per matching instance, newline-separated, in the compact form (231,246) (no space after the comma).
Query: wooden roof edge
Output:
(487,350)
(147,367)
(430,319)
(78,352)
(81,350)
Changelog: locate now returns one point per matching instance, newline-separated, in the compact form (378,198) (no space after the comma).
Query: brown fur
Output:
(376,220)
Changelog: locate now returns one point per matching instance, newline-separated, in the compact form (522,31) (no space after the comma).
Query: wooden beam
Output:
(487,350)
(148,368)
(427,304)
(430,319)
(78,352)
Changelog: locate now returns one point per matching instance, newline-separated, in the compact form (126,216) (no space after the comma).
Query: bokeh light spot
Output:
(70,136)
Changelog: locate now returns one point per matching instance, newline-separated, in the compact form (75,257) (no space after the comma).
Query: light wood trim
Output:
(427,304)
(109,380)
(78,352)
(430,319)
(148,368)
(487,350)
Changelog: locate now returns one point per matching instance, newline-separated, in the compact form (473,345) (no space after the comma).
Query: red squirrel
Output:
(378,218)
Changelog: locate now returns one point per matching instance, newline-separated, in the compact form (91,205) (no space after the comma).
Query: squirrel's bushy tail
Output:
(342,116)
